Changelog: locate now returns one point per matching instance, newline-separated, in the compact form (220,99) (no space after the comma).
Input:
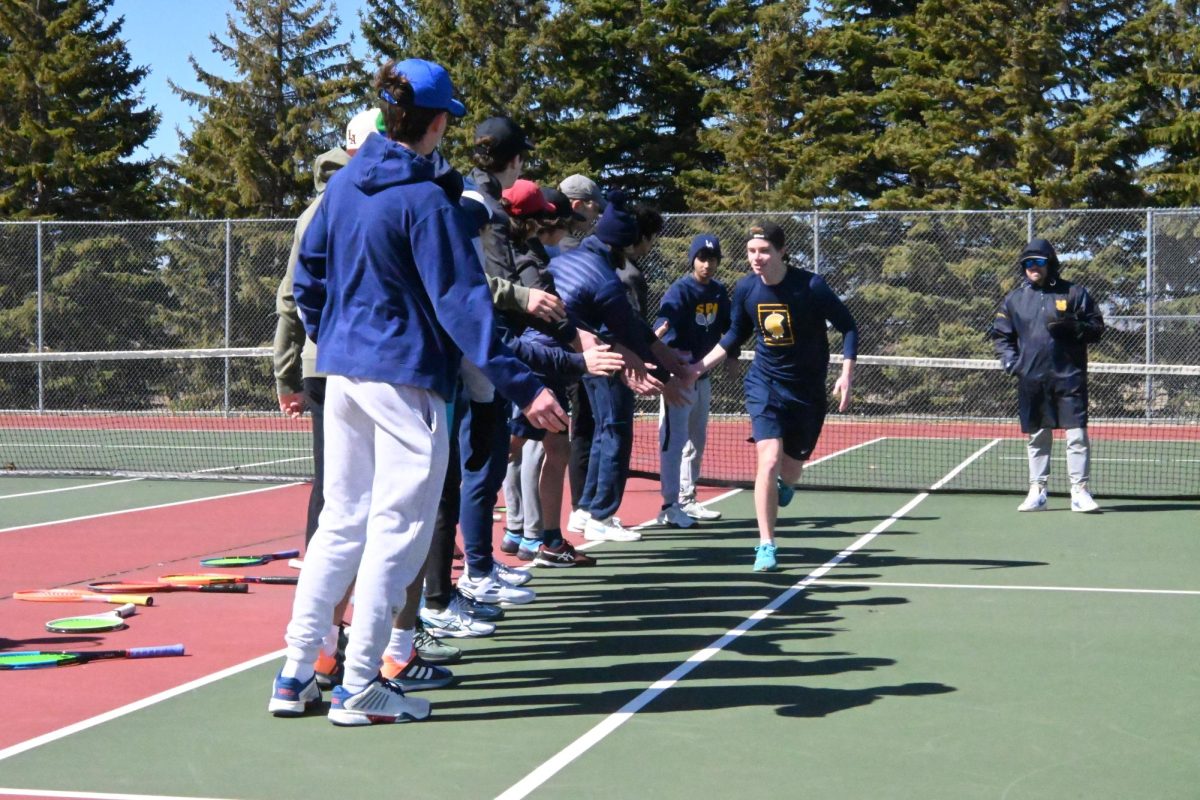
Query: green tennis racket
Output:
(93,623)
(247,561)
(38,659)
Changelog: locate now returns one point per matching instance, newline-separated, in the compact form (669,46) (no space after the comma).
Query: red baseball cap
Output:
(526,200)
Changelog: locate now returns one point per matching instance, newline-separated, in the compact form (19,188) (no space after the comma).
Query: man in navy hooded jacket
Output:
(1041,333)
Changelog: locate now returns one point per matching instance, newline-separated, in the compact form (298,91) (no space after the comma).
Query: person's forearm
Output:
(714,359)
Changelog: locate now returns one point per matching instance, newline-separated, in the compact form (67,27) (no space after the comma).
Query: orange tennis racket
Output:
(80,596)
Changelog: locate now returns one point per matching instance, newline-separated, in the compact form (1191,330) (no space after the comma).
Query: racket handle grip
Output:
(152,652)
(124,599)
(281,580)
(287,554)
(236,588)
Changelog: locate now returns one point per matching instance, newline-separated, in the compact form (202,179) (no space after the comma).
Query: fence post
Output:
(228,301)
(816,226)
(1029,225)
(41,342)
(1149,310)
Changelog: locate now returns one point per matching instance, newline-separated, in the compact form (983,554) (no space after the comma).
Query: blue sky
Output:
(160,34)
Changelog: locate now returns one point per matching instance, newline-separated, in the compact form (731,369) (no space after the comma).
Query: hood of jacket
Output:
(383,164)
(1040,248)
(326,164)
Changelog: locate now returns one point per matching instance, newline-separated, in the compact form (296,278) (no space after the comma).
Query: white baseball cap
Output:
(362,125)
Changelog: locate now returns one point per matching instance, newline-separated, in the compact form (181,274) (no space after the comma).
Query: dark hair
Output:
(405,122)
(649,221)
(487,159)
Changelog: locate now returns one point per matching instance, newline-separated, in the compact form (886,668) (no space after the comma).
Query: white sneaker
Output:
(1081,499)
(1036,499)
(578,520)
(675,517)
(514,576)
(609,530)
(494,590)
(697,511)
(454,623)
(381,701)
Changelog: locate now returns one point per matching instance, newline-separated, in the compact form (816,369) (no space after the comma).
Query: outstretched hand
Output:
(545,412)
(601,360)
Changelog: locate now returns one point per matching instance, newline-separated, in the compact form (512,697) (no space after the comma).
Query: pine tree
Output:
(70,114)
(294,88)
(488,48)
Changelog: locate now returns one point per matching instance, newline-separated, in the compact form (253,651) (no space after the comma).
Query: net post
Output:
(1149,311)
(228,302)
(41,342)
(816,229)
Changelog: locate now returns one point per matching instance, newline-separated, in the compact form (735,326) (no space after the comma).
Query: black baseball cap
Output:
(770,232)
(501,138)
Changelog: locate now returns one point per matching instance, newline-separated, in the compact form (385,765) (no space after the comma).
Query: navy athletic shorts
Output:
(780,410)
(523,428)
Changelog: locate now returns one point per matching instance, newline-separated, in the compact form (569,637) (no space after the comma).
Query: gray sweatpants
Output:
(1078,455)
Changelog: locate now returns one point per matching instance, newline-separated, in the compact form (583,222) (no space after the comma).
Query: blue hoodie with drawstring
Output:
(388,282)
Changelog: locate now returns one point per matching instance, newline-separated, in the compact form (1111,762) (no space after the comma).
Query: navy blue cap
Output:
(705,241)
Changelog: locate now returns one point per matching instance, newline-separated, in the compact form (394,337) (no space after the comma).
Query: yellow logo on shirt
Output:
(775,322)
(706,314)
(1061,304)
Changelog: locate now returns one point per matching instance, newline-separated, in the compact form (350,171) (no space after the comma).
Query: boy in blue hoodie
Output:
(389,287)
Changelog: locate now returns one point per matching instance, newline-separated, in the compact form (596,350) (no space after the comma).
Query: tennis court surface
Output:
(912,646)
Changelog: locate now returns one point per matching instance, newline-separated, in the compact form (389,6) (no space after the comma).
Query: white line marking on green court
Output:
(137,705)
(68,488)
(591,738)
(97,795)
(815,461)
(145,508)
(1009,588)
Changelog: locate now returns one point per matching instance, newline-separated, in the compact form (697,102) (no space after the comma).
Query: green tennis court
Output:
(959,651)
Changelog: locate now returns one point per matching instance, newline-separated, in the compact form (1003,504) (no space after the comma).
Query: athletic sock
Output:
(294,669)
(530,543)
(512,536)
(666,506)
(552,537)
(400,645)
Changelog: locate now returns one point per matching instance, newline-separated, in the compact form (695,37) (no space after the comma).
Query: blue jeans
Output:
(612,444)
(483,454)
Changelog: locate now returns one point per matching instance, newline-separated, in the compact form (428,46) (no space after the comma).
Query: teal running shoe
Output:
(786,493)
(764,558)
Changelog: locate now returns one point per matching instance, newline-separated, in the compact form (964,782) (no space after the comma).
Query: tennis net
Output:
(213,414)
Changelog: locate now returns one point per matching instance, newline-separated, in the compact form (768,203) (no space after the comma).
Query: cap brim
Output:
(457,109)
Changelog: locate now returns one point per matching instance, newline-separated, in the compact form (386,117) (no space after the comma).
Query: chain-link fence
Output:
(922,285)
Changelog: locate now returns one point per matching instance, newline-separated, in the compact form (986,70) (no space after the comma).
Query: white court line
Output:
(1010,587)
(813,463)
(137,705)
(146,508)
(235,467)
(97,795)
(68,488)
(591,738)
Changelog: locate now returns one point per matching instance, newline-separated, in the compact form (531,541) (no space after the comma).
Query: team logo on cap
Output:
(775,322)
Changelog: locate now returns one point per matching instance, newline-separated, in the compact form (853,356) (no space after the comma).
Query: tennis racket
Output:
(80,596)
(219,579)
(247,561)
(36,659)
(92,623)
(138,587)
